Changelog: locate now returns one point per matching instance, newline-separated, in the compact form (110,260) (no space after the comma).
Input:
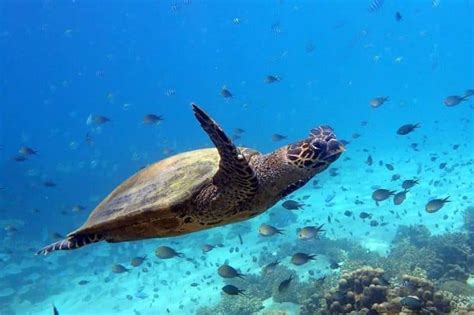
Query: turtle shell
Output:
(153,193)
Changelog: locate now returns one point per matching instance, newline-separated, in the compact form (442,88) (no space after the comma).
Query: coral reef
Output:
(367,289)
(469,226)
(444,257)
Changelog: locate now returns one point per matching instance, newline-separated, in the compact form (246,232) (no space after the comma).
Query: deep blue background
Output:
(61,61)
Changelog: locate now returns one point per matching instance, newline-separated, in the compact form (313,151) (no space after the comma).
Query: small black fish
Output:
(152,119)
(382,194)
(225,92)
(240,239)
(348,213)
(365,215)
(412,302)
(395,177)
(19,158)
(49,183)
(292,205)
(233,290)
(270,268)
(400,197)
(369,160)
(374,223)
(408,128)
(389,167)
(83,282)
(55,310)
(398,16)
(272,79)
(283,286)
(436,204)
(409,183)
(454,100)
(299,259)
(334,265)
(278,137)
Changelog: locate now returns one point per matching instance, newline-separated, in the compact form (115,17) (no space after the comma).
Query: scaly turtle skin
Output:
(205,188)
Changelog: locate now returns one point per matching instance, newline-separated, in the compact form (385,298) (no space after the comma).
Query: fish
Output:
(77,208)
(348,213)
(118,268)
(409,183)
(97,120)
(395,177)
(436,204)
(49,183)
(382,194)
(469,93)
(378,101)
(283,286)
(374,223)
(398,16)
(277,137)
(375,5)
(226,93)
(19,158)
(83,282)
(369,160)
(454,100)
(334,265)
(399,197)
(365,215)
(270,268)
(24,150)
(412,302)
(310,232)
(55,310)
(226,271)
(89,140)
(272,79)
(233,290)
(268,230)
(165,252)
(240,239)
(137,261)
(389,167)
(152,119)
(408,128)
(239,131)
(292,205)
(299,259)
(207,248)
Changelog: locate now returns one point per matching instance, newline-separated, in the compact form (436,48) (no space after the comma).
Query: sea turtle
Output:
(204,188)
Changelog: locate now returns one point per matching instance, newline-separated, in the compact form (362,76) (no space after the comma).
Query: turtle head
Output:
(315,153)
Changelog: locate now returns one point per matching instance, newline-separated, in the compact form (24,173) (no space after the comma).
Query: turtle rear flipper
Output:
(71,242)
(234,171)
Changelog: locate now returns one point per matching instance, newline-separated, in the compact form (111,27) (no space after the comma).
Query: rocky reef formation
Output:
(444,257)
(469,226)
(367,289)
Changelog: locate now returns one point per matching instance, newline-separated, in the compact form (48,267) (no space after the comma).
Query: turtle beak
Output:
(334,149)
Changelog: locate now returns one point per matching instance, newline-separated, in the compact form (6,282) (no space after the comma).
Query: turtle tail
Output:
(71,242)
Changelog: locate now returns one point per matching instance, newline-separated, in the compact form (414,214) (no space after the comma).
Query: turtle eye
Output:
(319,146)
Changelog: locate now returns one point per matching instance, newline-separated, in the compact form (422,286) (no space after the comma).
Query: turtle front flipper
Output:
(71,242)
(235,172)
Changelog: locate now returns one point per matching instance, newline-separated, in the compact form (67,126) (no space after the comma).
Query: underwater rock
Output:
(366,289)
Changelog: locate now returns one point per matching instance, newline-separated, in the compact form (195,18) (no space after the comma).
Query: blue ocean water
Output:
(62,62)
